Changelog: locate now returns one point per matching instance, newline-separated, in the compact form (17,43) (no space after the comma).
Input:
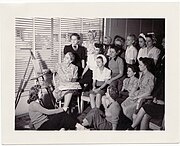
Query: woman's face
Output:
(67,59)
(149,42)
(142,43)
(99,62)
(90,36)
(112,53)
(97,51)
(74,40)
(129,41)
(142,67)
(130,72)
(118,42)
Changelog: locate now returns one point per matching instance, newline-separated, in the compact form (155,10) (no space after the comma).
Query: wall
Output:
(122,26)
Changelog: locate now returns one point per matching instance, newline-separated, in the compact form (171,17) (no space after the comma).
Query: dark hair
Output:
(75,34)
(33,93)
(149,63)
(134,69)
(113,92)
(142,38)
(99,57)
(152,36)
(115,47)
(121,38)
(100,46)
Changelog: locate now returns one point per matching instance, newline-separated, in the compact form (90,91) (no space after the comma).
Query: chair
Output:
(84,98)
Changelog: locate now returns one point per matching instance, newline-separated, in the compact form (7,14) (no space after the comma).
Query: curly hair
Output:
(33,93)
(149,63)
(113,92)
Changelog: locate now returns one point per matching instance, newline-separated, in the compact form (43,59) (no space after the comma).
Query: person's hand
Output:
(155,100)
(109,81)
(94,88)
(97,90)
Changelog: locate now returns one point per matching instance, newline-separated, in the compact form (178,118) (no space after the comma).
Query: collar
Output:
(115,58)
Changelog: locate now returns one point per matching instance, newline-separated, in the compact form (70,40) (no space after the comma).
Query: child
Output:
(100,76)
(109,120)
(131,51)
(91,65)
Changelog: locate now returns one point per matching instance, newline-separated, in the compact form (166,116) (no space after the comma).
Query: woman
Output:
(152,51)
(142,43)
(90,43)
(100,76)
(130,84)
(66,73)
(109,120)
(48,119)
(145,85)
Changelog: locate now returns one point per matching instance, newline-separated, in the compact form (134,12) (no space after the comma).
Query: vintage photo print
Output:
(99,70)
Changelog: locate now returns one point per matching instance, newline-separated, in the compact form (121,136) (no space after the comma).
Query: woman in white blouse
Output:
(100,76)
(142,43)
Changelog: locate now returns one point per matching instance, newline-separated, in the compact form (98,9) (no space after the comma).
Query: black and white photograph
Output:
(91,74)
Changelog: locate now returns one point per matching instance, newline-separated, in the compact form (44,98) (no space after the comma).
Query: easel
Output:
(38,74)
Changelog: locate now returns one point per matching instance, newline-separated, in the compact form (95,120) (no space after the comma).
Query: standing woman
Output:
(48,119)
(152,51)
(90,43)
(142,43)
(100,76)
(78,51)
(145,85)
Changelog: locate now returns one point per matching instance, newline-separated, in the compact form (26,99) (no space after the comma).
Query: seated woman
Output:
(109,120)
(49,119)
(155,109)
(116,65)
(86,79)
(145,85)
(66,74)
(130,84)
(100,76)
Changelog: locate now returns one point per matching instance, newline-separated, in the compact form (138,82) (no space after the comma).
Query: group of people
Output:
(115,76)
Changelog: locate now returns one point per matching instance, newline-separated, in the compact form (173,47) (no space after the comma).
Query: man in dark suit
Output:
(78,51)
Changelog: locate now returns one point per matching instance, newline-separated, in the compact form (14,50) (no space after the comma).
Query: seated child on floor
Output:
(109,120)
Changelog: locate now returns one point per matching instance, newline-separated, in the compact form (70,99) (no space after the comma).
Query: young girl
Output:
(86,78)
(130,84)
(131,51)
(142,43)
(109,120)
(100,76)
(48,119)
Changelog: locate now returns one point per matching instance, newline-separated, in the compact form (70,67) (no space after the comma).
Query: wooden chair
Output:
(84,98)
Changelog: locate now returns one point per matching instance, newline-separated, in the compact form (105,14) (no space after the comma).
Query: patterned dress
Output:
(64,77)
(145,85)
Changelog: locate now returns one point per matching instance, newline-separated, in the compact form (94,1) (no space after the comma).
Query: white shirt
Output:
(130,54)
(101,75)
(142,53)
(153,53)
(91,61)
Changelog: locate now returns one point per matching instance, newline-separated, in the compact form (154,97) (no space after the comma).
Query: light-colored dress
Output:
(64,77)
(153,53)
(146,85)
(90,47)
(130,83)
